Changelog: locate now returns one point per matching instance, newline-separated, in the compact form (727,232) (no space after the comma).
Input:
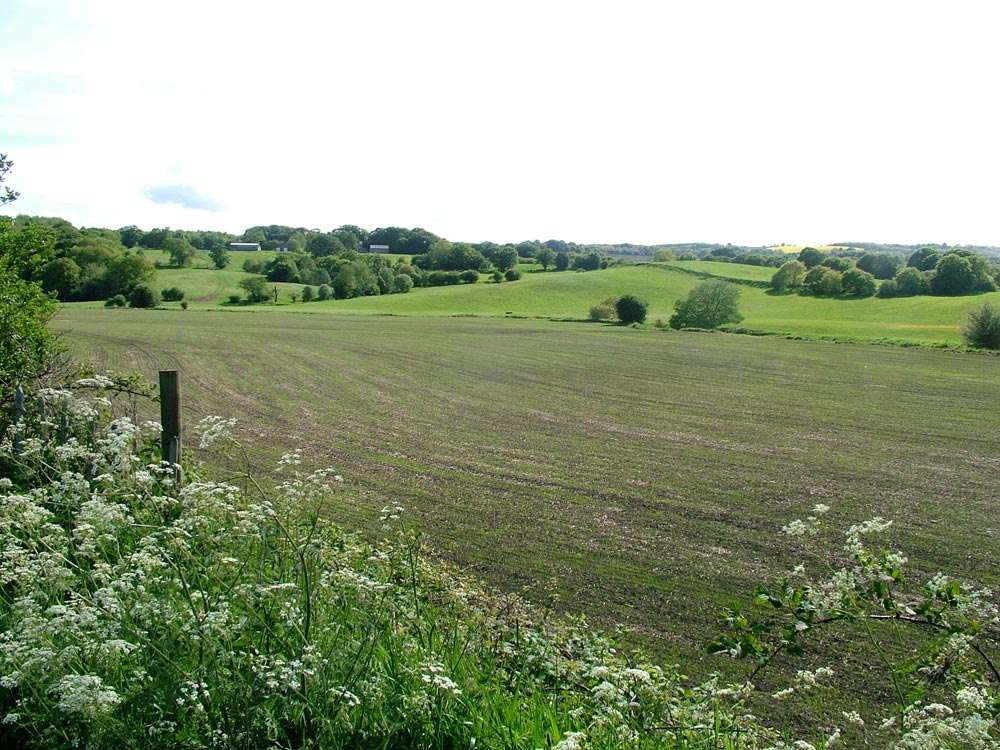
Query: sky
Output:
(756,123)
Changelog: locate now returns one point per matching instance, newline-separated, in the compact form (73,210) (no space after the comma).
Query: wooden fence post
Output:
(170,418)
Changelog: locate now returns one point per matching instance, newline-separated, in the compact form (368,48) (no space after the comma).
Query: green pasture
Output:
(913,321)
(646,472)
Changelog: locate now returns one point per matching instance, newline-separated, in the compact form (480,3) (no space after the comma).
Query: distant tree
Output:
(631,309)
(469,276)
(858,283)
(451,256)
(320,245)
(687,256)
(143,296)
(154,238)
(953,276)
(325,292)
(504,258)
(823,281)
(545,256)
(810,256)
(401,283)
(663,254)
(283,268)
(881,265)
(529,249)
(512,274)
(254,265)
(61,276)
(838,263)
(562,261)
(355,279)
(924,259)
(606,310)
(130,236)
(173,294)
(982,329)
(308,294)
(887,289)
(257,289)
(911,281)
(789,276)
(117,301)
(587,262)
(181,252)
(220,256)
(709,305)
(125,272)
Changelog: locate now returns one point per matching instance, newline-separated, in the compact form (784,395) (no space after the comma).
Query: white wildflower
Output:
(571,741)
(85,694)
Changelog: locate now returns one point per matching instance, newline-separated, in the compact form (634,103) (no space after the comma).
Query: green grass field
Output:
(648,471)
(913,321)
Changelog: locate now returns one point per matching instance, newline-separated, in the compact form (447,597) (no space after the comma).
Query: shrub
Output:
(709,305)
(173,294)
(117,301)
(308,294)
(512,275)
(982,329)
(823,281)
(324,292)
(911,281)
(235,299)
(184,304)
(469,276)
(858,283)
(789,276)
(606,310)
(402,283)
(143,296)
(631,309)
(497,277)
(888,288)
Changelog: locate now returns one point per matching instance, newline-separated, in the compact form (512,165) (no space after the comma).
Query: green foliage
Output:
(858,283)
(257,289)
(631,309)
(823,281)
(254,265)
(180,251)
(924,259)
(881,265)
(663,255)
(402,283)
(512,274)
(838,263)
(587,262)
(220,256)
(953,275)
(143,296)
(117,301)
(449,256)
(308,294)
(982,328)
(709,305)
(173,294)
(354,279)
(324,292)
(562,261)
(8,195)
(911,281)
(790,276)
(606,310)
(545,257)
(811,257)
(504,259)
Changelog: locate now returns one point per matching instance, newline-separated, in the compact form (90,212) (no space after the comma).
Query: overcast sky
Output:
(754,123)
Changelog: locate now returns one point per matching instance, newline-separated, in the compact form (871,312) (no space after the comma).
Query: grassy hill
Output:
(920,321)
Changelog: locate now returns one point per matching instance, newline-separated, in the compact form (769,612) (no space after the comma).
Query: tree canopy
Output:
(709,305)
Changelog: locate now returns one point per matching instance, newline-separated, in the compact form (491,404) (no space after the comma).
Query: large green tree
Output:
(709,305)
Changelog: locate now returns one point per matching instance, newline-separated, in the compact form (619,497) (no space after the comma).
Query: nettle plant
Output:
(936,642)
(139,612)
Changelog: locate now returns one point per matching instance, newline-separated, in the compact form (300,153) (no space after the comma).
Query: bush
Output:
(606,310)
(117,301)
(402,283)
(709,305)
(858,283)
(184,304)
(308,294)
(982,329)
(789,276)
(324,293)
(143,296)
(512,275)
(173,294)
(235,299)
(497,277)
(469,276)
(911,281)
(888,288)
(631,309)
